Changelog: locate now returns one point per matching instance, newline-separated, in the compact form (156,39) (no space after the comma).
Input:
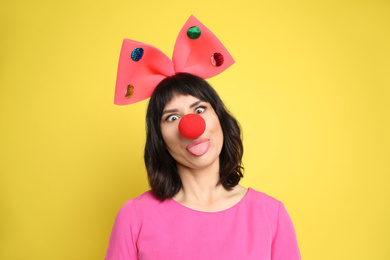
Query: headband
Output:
(141,66)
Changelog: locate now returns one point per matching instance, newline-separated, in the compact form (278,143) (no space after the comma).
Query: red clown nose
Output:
(192,126)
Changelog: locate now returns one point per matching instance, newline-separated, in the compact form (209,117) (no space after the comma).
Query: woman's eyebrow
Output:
(175,110)
(196,103)
(169,111)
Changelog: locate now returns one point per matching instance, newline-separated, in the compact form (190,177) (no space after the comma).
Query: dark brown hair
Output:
(163,177)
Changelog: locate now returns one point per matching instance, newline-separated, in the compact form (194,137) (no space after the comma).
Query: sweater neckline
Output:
(242,201)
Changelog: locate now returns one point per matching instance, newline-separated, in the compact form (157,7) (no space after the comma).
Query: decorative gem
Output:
(193,32)
(217,59)
(129,91)
(137,54)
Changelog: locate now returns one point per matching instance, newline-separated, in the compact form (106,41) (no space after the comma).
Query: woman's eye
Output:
(200,110)
(172,118)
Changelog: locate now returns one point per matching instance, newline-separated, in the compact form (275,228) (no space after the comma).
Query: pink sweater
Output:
(258,227)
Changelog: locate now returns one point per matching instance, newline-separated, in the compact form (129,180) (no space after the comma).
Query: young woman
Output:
(196,208)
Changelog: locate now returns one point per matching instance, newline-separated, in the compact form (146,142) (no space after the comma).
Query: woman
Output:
(196,209)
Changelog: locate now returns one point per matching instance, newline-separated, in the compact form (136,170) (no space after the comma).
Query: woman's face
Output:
(198,153)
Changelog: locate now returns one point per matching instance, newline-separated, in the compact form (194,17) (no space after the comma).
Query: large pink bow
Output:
(141,66)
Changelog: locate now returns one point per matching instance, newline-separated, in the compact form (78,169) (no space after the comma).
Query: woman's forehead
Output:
(179,100)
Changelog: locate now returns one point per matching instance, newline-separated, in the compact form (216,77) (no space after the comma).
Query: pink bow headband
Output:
(141,66)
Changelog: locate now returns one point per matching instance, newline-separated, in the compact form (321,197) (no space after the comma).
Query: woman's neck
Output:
(201,191)
(200,184)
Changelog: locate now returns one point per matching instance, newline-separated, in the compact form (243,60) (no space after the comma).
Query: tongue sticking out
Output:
(198,147)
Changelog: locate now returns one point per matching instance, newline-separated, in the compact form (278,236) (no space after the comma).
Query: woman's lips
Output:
(198,147)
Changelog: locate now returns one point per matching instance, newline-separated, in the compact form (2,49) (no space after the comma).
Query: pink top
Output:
(258,227)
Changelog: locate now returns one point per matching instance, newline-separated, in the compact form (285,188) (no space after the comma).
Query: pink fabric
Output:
(189,55)
(258,227)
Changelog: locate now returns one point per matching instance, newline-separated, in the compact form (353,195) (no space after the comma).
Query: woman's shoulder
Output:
(146,199)
(266,206)
(262,199)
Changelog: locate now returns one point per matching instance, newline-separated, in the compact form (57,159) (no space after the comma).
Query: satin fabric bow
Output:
(141,66)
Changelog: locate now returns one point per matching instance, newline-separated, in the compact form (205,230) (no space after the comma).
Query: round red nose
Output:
(192,126)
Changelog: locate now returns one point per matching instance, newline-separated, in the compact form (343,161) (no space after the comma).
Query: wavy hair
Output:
(163,177)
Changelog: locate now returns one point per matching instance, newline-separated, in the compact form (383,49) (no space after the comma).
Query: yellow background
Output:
(310,88)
